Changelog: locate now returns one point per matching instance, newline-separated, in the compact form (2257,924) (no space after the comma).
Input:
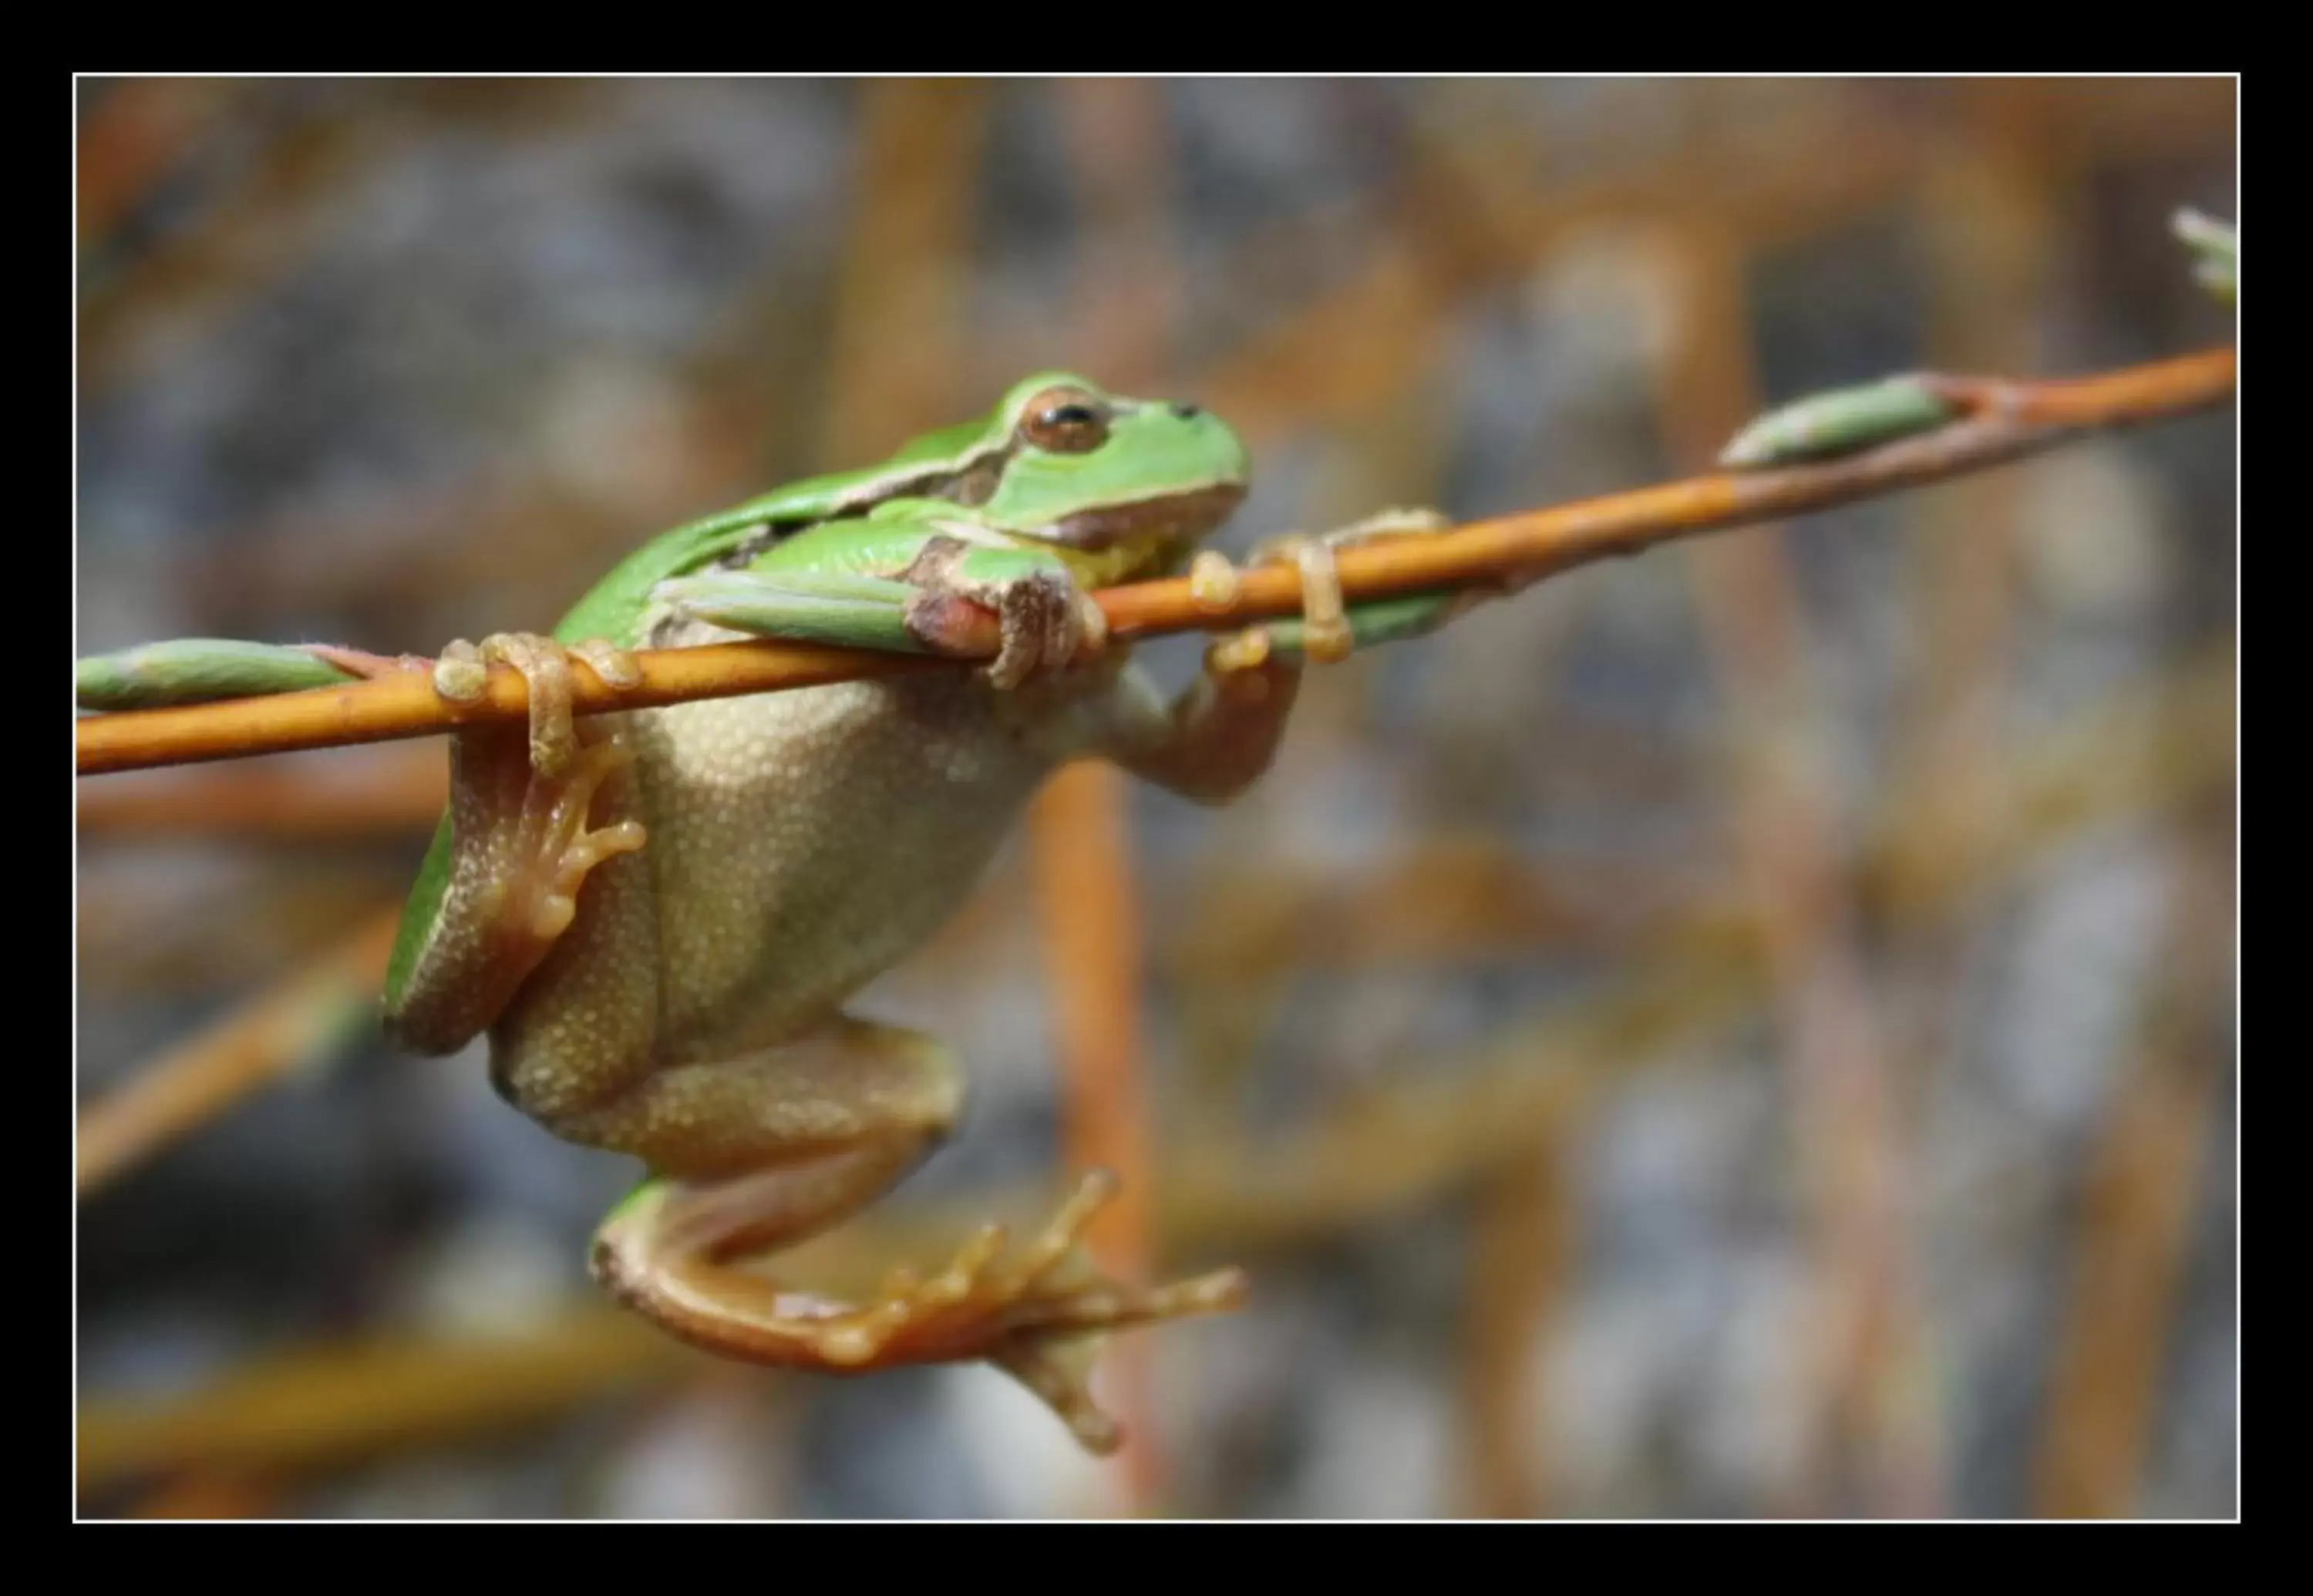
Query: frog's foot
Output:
(1044,620)
(518,849)
(1036,1311)
(1328,630)
(461,675)
(545,848)
(532,804)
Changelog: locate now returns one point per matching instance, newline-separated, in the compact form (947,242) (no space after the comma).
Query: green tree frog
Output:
(659,915)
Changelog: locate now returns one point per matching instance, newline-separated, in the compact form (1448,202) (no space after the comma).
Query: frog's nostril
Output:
(1188,413)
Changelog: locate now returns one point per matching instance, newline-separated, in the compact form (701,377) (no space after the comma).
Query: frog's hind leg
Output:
(760,1152)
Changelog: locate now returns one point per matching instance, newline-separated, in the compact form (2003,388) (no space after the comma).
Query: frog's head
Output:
(1093,470)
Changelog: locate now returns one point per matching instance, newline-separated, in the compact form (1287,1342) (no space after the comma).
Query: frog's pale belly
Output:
(800,843)
(813,839)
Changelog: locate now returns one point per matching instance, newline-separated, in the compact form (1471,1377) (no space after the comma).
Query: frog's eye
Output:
(1065,422)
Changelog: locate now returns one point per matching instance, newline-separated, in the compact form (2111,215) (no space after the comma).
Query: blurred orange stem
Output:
(1092,950)
(2141,1203)
(1802,882)
(256,1044)
(393,792)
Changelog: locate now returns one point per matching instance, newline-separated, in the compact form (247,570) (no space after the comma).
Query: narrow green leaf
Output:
(198,670)
(1839,422)
(2216,250)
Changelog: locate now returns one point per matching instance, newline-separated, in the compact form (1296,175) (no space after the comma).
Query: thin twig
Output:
(251,1047)
(2005,420)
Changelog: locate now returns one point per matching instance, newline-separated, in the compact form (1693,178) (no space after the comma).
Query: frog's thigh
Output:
(770,1146)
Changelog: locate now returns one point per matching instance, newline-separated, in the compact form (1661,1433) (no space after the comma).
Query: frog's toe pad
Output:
(1037,1312)
(461,675)
(552,848)
(1045,621)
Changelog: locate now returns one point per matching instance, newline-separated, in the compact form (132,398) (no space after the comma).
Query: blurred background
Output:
(1745,1031)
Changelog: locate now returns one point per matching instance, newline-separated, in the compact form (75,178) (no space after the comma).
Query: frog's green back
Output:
(613,606)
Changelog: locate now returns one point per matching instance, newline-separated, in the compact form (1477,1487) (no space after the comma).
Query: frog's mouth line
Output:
(1178,517)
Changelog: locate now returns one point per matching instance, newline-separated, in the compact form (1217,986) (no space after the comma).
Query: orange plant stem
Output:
(258,1043)
(2014,419)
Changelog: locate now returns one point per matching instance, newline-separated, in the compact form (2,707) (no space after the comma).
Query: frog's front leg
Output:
(1045,619)
(513,846)
(1216,739)
(762,1150)
(933,600)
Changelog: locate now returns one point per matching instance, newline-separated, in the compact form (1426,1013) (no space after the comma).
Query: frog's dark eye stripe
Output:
(1065,422)
(976,486)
